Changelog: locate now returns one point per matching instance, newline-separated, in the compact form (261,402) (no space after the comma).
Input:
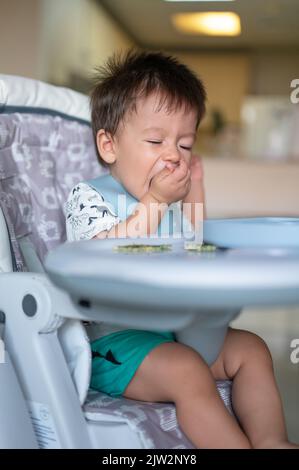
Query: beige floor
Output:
(278,327)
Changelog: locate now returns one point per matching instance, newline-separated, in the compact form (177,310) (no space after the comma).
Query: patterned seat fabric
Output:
(41,158)
(155,423)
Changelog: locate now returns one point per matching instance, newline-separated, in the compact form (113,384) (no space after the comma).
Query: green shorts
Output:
(116,358)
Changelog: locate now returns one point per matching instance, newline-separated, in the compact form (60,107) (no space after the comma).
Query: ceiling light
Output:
(199,0)
(209,23)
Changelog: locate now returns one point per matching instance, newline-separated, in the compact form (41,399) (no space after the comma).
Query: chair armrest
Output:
(34,295)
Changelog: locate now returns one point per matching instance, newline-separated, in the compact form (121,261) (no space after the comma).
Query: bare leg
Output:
(176,373)
(246,359)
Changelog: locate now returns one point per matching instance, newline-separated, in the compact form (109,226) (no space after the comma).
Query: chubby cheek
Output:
(137,179)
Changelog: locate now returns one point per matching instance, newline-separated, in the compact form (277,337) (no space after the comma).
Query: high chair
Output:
(46,147)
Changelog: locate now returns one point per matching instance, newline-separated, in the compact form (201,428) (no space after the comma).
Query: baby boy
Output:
(146,108)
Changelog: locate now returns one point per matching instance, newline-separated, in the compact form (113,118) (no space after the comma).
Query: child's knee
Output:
(258,350)
(250,347)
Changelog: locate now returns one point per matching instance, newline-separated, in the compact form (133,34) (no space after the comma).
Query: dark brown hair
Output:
(125,78)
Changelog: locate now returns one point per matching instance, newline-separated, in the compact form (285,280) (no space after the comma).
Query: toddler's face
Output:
(148,139)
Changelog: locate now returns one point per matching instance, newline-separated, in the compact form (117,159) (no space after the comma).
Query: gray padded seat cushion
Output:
(155,423)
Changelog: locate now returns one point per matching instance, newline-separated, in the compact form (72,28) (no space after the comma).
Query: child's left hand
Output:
(196,193)
(196,168)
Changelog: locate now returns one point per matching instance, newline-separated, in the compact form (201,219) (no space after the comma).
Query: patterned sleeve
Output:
(87,213)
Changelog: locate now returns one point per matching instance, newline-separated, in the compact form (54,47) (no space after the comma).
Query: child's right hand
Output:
(171,184)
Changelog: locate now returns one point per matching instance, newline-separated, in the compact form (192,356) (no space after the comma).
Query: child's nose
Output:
(172,155)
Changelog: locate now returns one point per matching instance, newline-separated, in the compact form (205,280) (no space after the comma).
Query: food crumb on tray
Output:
(141,248)
(191,246)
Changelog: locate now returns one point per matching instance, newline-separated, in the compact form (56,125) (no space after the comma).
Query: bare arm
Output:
(166,187)
(144,221)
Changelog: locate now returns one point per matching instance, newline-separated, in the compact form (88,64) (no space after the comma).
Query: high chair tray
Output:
(253,232)
(177,278)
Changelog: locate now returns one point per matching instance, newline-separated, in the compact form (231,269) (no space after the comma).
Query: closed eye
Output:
(185,148)
(157,142)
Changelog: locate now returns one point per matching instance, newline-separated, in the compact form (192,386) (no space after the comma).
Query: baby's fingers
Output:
(182,170)
(162,174)
(185,177)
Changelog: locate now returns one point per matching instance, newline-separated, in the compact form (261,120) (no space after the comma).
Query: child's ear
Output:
(106,146)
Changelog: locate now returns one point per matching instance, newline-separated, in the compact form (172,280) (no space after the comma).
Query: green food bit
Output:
(141,248)
(204,248)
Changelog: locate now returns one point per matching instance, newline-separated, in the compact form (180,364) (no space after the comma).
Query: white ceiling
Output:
(265,23)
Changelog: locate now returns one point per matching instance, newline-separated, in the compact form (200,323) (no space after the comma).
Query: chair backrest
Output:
(6,264)
(43,154)
(46,147)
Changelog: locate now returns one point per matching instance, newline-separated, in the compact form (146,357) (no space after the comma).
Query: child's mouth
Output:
(171,165)
(159,166)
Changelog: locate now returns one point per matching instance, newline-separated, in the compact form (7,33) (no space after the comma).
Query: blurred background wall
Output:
(54,40)
(20,36)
